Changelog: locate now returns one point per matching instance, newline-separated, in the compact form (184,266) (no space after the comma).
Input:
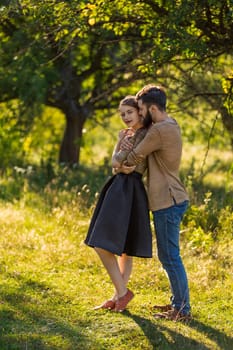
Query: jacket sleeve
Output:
(119,156)
(152,142)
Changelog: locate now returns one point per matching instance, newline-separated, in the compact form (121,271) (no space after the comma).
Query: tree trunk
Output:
(227,120)
(71,143)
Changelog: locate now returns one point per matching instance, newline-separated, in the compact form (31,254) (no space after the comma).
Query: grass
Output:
(50,282)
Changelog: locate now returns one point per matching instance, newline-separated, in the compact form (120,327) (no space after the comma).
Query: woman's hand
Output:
(126,144)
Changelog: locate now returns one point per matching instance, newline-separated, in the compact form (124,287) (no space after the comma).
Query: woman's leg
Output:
(119,274)
(125,263)
(111,264)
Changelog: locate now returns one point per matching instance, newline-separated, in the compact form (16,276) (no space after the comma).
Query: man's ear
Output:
(153,108)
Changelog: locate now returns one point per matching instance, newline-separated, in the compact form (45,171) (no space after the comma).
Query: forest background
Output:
(64,66)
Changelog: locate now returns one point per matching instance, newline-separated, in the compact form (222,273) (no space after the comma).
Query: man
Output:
(167,196)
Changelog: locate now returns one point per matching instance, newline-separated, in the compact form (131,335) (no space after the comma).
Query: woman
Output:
(120,224)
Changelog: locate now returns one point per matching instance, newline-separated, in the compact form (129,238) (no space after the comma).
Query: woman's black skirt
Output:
(120,222)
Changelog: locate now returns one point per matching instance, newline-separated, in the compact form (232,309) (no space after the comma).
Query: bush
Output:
(53,183)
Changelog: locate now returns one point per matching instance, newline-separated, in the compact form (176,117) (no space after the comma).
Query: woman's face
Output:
(130,116)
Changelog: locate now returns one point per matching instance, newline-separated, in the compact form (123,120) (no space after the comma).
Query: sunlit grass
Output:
(50,282)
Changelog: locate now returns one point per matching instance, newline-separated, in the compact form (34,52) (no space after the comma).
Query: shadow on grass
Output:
(32,317)
(162,337)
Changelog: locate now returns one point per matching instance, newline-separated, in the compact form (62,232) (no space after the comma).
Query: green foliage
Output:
(23,142)
(206,224)
(42,143)
(77,56)
(54,184)
(204,215)
(11,136)
(225,231)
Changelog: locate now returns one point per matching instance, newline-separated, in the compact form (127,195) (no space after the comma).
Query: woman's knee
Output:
(101,251)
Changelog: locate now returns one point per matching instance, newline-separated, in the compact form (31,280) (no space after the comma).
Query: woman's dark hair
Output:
(152,94)
(129,100)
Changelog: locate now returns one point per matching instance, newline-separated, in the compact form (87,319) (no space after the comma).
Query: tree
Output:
(52,54)
(79,56)
(191,39)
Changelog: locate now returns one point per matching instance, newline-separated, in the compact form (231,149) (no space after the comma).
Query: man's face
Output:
(147,120)
(145,113)
(142,108)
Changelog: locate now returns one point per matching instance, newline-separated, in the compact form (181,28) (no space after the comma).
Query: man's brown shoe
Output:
(122,302)
(174,315)
(162,308)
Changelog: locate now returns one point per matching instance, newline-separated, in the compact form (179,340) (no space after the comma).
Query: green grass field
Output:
(50,282)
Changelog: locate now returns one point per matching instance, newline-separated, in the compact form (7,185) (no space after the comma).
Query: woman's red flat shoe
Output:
(122,302)
(108,304)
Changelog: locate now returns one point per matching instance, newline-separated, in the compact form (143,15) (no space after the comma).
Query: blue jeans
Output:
(167,227)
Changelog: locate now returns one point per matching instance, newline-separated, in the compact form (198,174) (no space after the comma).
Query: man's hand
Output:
(125,169)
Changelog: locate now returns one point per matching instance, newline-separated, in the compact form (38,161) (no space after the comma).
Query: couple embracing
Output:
(120,226)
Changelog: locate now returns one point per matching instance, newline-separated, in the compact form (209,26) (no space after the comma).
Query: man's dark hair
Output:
(152,94)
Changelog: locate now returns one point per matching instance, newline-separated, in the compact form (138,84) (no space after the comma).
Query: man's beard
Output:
(147,121)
